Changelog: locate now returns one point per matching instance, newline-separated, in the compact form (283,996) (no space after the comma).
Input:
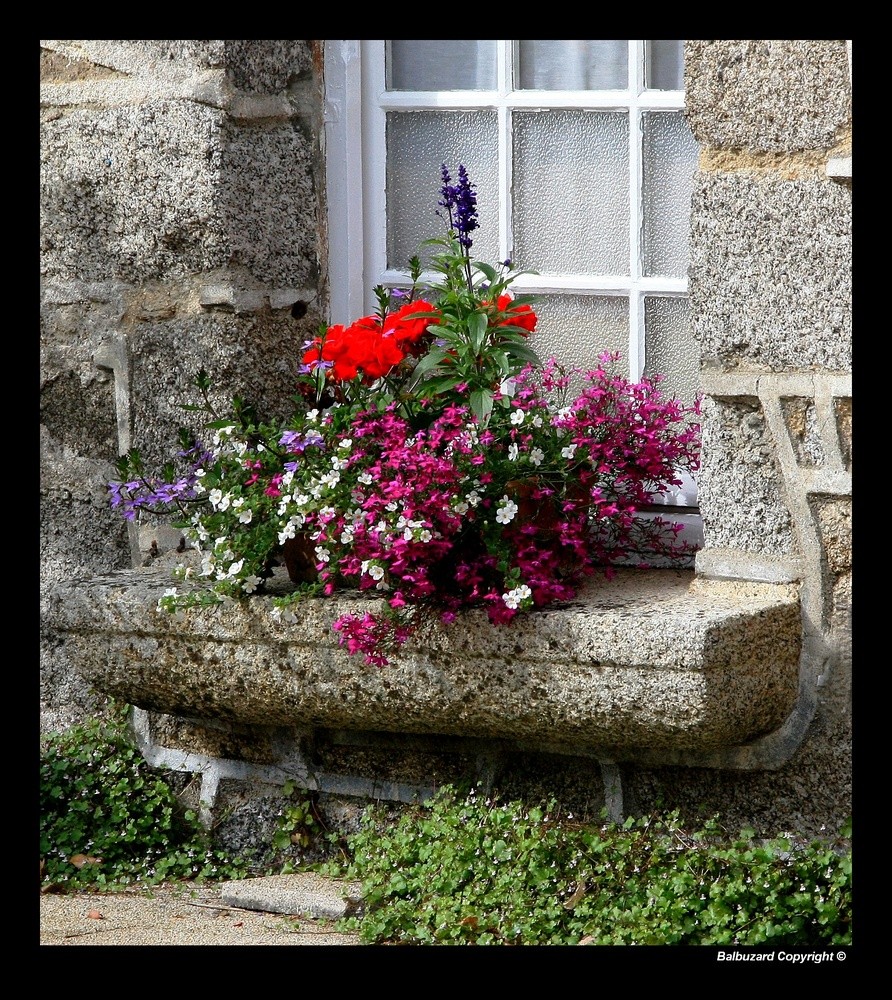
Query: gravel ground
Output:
(173,915)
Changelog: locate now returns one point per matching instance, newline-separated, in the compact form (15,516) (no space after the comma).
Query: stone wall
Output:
(770,286)
(181,220)
(183,217)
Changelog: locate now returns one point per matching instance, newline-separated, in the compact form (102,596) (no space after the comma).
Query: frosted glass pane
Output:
(571,192)
(670,163)
(567,64)
(670,348)
(664,64)
(460,64)
(575,329)
(418,142)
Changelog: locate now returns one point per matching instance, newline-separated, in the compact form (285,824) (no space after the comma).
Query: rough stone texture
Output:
(643,661)
(254,64)
(735,98)
(801,420)
(254,745)
(387,758)
(833,517)
(254,356)
(131,193)
(739,486)
(771,273)
(168,188)
(75,517)
(842,409)
(811,796)
(313,896)
(65,696)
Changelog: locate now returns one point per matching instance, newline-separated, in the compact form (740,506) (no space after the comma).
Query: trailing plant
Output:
(432,461)
(470,870)
(108,819)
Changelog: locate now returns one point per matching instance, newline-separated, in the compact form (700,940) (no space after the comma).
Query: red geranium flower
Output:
(517,315)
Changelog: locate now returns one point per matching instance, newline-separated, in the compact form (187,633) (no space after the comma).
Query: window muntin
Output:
(584,166)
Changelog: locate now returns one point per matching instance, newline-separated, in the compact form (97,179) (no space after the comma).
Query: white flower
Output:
(513,451)
(536,456)
(236,568)
(322,553)
(365,478)
(170,592)
(514,598)
(245,516)
(517,416)
(507,509)
(569,451)
(460,507)
(250,584)
(313,416)
(345,443)
(287,532)
(537,420)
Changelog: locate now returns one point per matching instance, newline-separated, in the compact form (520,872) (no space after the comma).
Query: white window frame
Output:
(356,104)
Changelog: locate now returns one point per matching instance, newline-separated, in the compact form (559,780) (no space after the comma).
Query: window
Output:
(584,166)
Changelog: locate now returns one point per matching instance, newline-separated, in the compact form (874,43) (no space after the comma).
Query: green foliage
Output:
(299,824)
(470,871)
(108,819)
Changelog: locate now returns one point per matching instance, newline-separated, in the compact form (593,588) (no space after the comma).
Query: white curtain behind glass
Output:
(462,64)
(573,64)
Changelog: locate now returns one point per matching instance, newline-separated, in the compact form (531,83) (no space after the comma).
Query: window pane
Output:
(670,162)
(577,328)
(418,143)
(463,64)
(567,64)
(571,190)
(670,347)
(664,64)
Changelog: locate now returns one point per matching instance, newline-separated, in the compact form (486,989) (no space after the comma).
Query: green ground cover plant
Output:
(461,868)
(467,870)
(107,819)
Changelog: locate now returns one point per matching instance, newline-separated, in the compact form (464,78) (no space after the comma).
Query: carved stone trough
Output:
(655,663)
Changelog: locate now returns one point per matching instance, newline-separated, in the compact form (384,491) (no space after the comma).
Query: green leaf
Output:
(481,404)
(433,357)
(478,323)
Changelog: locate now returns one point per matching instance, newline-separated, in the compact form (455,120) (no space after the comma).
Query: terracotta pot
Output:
(299,554)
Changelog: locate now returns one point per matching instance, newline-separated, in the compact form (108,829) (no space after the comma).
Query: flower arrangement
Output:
(432,461)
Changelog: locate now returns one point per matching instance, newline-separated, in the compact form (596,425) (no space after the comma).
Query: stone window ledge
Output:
(653,662)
